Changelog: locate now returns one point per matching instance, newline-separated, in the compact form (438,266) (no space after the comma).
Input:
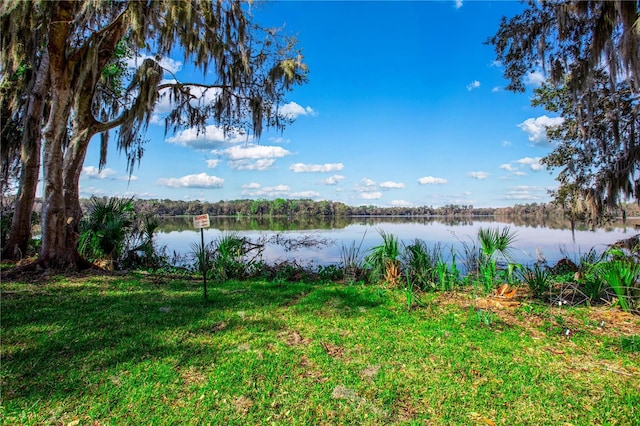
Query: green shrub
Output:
(112,231)
(538,278)
(104,228)
(420,264)
(383,260)
(621,274)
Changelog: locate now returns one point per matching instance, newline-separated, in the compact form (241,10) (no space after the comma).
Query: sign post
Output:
(202,221)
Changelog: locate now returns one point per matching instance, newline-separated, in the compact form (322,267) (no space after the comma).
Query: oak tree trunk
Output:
(20,234)
(57,250)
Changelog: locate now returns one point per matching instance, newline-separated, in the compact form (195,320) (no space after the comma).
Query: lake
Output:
(553,239)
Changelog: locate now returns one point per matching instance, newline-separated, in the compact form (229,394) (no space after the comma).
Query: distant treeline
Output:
(306,207)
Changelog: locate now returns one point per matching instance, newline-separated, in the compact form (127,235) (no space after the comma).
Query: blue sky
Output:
(404,107)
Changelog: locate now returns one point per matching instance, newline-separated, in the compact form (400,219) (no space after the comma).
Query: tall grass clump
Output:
(495,246)
(201,255)
(429,269)
(621,273)
(471,258)
(351,259)
(538,278)
(420,264)
(234,257)
(447,271)
(587,274)
(383,260)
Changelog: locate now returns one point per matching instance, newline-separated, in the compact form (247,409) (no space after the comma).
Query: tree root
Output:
(41,267)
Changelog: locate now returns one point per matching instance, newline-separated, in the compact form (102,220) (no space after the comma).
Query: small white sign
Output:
(201,221)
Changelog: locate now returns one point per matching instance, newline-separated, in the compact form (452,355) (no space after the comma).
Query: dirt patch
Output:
(601,320)
(242,405)
(345,393)
(405,411)
(218,327)
(293,338)
(334,351)
(371,372)
(294,300)
(310,370)
(192,376)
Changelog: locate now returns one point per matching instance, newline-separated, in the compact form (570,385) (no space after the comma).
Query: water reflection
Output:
(553,238)
(265,223)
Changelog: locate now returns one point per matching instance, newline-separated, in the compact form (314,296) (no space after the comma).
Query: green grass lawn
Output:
(140,349)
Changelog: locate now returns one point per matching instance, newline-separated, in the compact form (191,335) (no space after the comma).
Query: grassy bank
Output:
(141,349)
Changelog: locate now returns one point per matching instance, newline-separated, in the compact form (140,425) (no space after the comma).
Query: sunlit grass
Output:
(148,349)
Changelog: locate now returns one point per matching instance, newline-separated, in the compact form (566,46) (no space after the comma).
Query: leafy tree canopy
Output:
(590,52)
(80,47)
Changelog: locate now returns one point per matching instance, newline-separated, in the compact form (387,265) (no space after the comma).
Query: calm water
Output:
(554,240)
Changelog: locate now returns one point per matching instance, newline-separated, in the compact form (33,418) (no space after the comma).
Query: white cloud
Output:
(529,188)
(368,184)
(201,180)
(88,192)
(251,157)
(524,192)
(506,143)
(392,185)
(521,195)
(508,167)
(212,164)
(305,194)
(252,185)
(401,203)
(92,172)
(368,189)
(458,4)
(170,64)
(430,180)
(333,180)
(496,89)
(167,63)
(533,163)
(478,175)
(256,190)
(201,96)
(373,195)
(473,85)
(156,119)
(534,78)
(536,128)
(277,188)
(537,167)
(211,137)
(279,140)
(249,164)
(292,110)
(145,195)
(324,168)
(252,152)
